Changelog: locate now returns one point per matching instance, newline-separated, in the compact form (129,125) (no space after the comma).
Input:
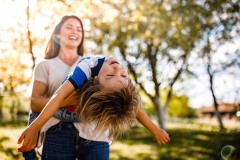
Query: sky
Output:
(226,86)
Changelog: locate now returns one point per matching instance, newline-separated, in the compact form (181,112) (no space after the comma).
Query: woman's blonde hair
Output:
(109,110)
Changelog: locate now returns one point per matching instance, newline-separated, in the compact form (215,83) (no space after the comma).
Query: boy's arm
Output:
(30,134)
(72,100)
(160,135)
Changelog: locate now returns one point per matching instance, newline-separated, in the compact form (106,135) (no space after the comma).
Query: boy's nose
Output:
(117,66)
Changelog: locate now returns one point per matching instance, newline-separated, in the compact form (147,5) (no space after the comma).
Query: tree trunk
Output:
(1,106)
(30,49)
(218,115)
(160,112)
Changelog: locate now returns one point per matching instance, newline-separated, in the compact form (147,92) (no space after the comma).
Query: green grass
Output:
(185,144)
(189,141)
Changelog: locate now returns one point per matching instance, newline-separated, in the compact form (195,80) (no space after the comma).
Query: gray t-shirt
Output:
(52,72)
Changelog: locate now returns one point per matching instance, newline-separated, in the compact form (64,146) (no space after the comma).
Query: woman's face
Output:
(71,33)
(113,75)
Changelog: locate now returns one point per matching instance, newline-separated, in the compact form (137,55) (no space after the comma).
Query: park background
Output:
(182,55)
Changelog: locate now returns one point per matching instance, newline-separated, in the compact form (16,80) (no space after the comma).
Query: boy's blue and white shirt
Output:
(87,67)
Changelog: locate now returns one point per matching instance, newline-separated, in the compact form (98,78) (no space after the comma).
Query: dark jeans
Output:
(62,142)
(61,114)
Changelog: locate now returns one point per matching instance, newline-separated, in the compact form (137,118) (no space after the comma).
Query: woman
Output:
(64,49)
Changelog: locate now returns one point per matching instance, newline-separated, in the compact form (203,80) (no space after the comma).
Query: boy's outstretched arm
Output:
(28,138)
(160,135)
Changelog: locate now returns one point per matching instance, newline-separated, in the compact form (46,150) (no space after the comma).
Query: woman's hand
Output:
(72,100)
(28,139)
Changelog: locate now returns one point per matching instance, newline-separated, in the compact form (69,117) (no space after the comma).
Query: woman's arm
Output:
(38,97)
(160,135)
(29,136)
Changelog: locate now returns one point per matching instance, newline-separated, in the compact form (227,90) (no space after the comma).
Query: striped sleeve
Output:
(87,67)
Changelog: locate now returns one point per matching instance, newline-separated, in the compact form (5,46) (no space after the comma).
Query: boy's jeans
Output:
(62,142)
(61,114)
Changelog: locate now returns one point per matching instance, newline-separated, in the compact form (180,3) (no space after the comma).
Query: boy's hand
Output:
(28,140)
(161,136)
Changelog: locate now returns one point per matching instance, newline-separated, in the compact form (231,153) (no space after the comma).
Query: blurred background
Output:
(183,56)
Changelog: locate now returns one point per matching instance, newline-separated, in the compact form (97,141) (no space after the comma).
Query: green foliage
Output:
(14,105)
(178,106)
(14,75)
(14,82)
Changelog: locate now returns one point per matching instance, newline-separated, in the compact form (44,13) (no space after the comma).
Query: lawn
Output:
(189,141)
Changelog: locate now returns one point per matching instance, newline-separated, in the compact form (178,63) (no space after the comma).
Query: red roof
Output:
(222,107)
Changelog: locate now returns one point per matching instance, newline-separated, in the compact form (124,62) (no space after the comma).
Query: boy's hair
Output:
(109,110)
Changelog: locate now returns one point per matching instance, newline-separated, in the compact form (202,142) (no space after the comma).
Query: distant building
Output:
(227,110)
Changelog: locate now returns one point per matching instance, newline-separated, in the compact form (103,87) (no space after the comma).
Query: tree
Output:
(13,80)
(154,38)
(30,48)
(221,26)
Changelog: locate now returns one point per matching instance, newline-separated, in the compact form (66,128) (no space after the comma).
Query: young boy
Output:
(112,78)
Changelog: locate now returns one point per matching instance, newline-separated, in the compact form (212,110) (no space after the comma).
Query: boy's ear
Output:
(96,78)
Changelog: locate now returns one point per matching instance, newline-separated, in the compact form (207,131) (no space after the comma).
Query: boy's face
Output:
(113,75)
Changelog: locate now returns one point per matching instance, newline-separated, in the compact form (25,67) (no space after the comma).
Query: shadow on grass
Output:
(185,144)
(203,144)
